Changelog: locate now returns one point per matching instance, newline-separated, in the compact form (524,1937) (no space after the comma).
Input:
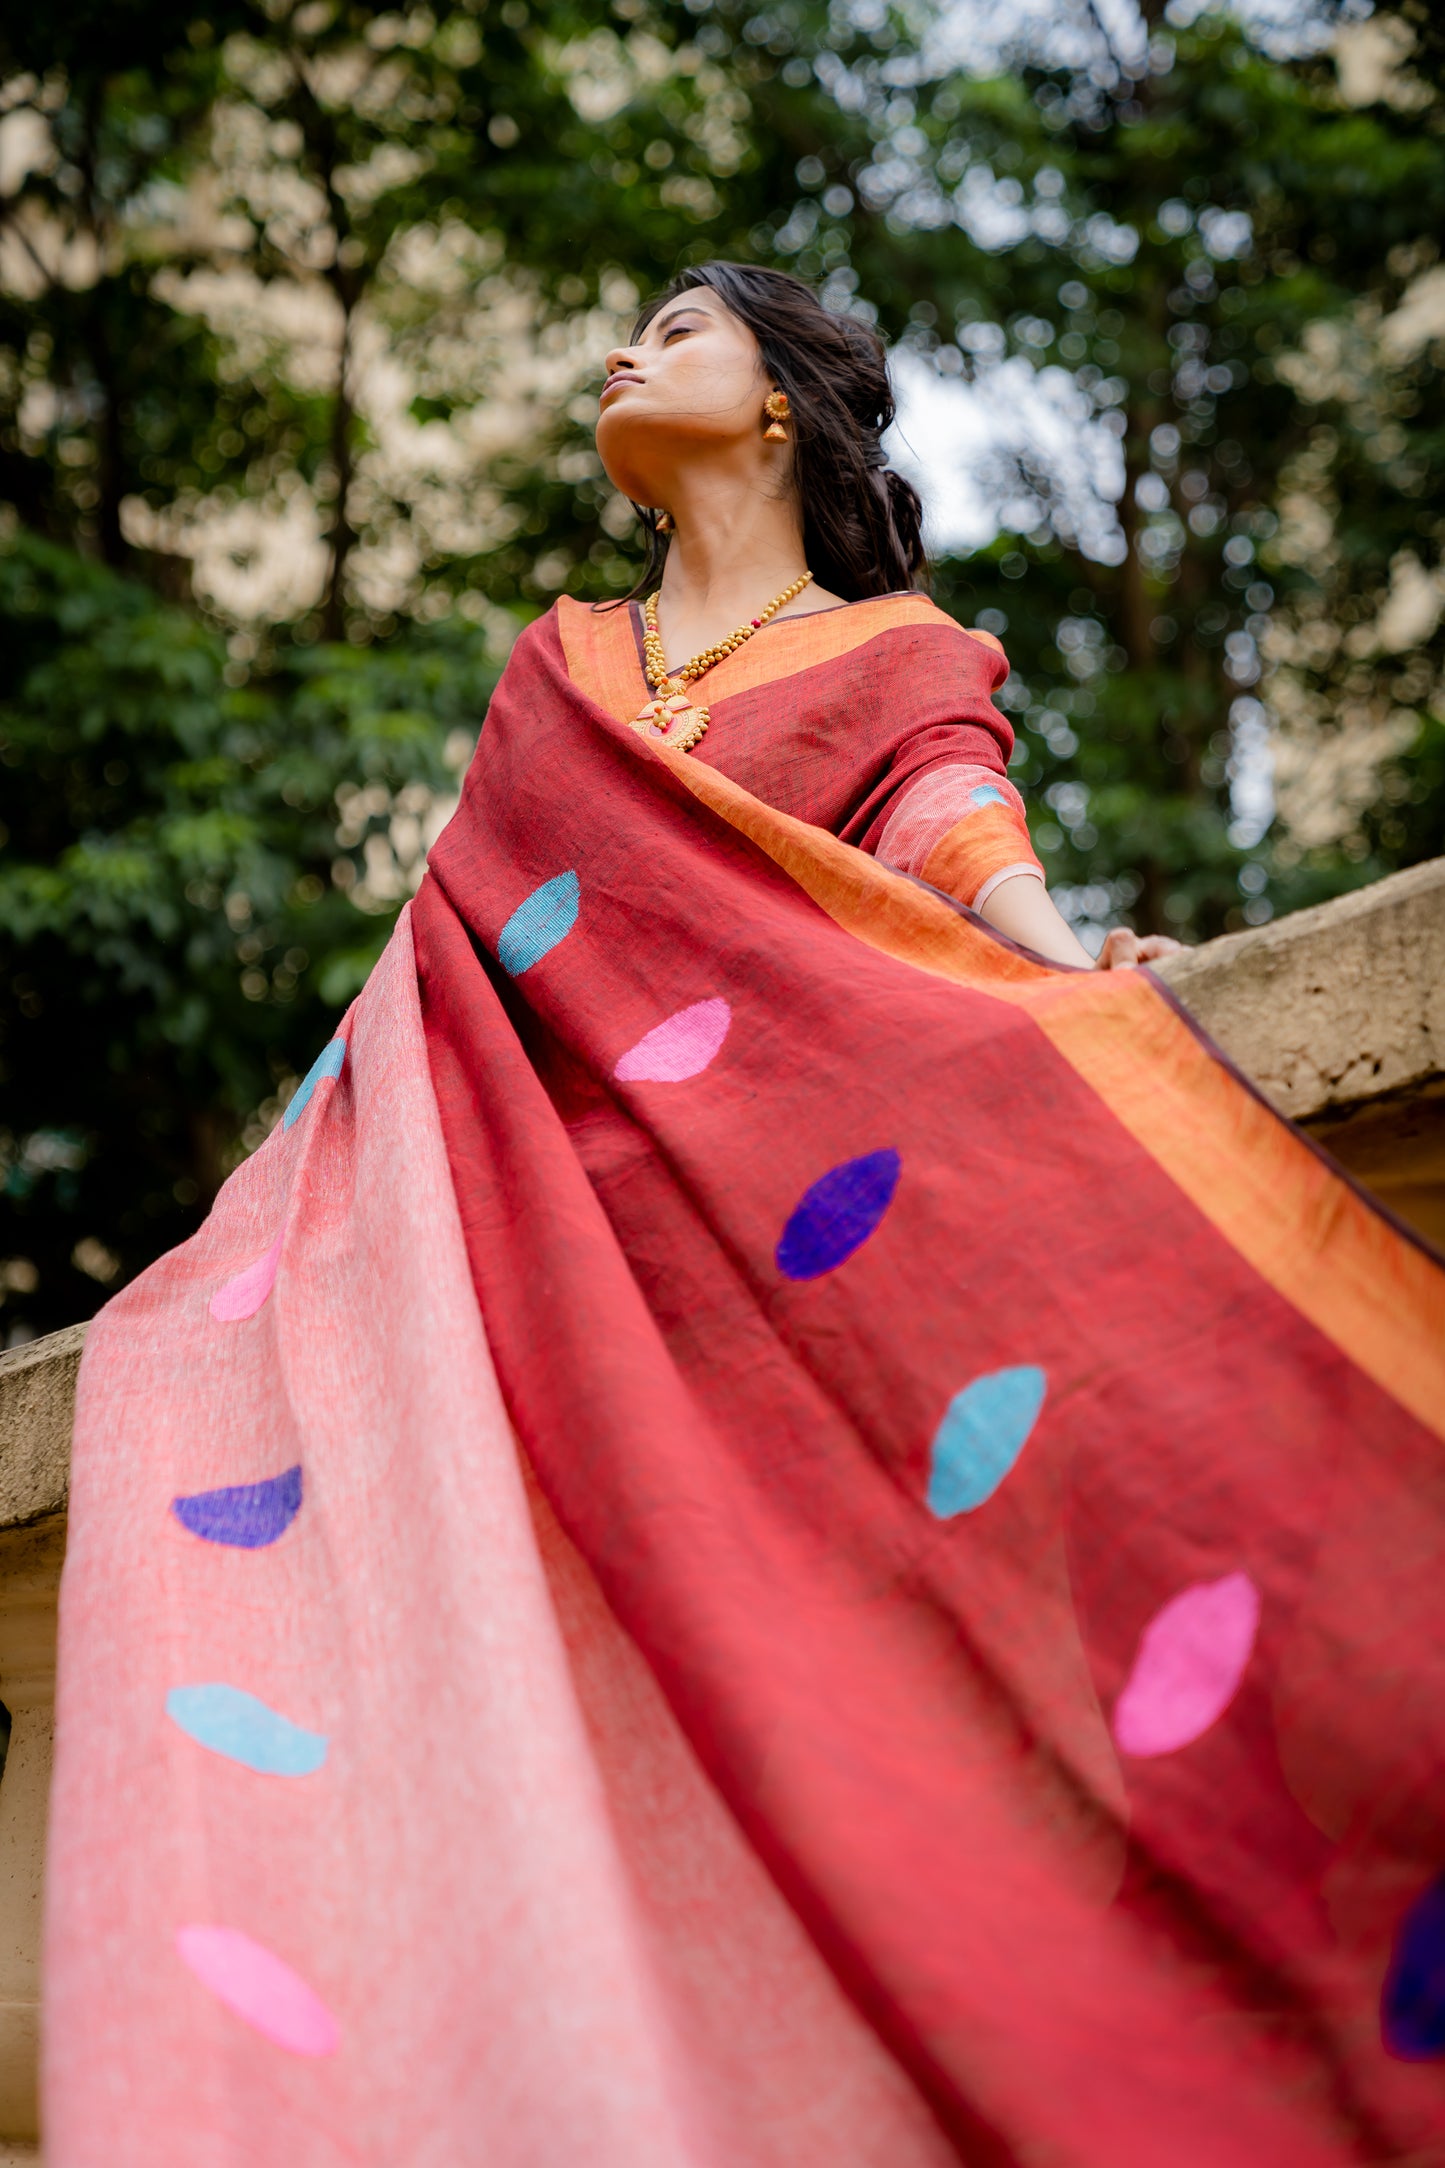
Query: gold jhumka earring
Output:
(775,406)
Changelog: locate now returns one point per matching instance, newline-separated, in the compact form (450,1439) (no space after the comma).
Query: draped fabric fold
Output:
(965,1681)
(496,1914)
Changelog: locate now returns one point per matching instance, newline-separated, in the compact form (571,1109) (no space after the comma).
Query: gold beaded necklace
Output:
(670,714)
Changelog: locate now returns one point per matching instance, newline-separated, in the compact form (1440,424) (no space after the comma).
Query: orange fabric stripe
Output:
(601,656)
(1251,1175)
(791,644)
(601,650)
(975,849)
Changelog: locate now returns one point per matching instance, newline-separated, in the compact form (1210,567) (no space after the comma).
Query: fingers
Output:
(1123,949)
(1120,952)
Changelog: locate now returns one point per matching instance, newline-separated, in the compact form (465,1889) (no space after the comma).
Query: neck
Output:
(735,547)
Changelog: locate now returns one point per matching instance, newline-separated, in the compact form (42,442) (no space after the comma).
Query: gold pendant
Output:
(673,720)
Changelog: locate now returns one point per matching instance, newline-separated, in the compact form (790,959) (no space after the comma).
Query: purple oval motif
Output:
(1192,1655)
(837,1215)
(1412,2006)
(245,1515)
(681,1046)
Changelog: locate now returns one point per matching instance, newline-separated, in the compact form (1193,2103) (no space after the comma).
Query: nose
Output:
(621,357)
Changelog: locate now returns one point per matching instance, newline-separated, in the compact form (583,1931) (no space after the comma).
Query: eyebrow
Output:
(660,323)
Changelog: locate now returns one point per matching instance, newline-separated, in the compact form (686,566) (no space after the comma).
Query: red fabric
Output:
(1082,1959)
(836,746)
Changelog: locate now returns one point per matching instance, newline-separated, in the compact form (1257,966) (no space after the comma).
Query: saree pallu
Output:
(766,1532)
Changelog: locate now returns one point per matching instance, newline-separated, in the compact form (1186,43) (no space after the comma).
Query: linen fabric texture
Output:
(870,1533)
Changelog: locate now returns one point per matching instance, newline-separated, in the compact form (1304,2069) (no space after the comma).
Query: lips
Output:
(615,383)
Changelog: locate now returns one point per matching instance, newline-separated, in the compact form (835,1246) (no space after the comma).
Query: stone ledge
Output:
(1330,1008)
(1338,1015)
(37,1403)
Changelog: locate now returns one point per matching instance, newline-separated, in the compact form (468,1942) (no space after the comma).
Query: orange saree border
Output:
(985,843)
(1247,1170)
(600,649)
(600,652)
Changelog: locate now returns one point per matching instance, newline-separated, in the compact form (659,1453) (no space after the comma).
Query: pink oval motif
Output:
(1192,1655)
(679,1047)
(243,1295)
(260,1988)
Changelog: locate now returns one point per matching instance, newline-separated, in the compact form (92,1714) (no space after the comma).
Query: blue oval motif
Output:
(1412,2004)
(236,1724)
(327,1063)
(837,1215)
(246,1515)
(986,794)
(539,922)
(983,1432)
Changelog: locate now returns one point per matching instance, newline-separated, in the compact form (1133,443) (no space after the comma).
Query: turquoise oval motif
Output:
(539,922)
(983,1432)
(236,1724)
(327,1063)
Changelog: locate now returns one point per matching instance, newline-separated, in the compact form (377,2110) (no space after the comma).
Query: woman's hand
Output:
(1023,908)
(1123,949)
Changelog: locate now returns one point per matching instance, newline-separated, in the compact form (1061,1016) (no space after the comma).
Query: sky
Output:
(952,437)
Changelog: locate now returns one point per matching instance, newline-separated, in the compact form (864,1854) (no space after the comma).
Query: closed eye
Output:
(678,320)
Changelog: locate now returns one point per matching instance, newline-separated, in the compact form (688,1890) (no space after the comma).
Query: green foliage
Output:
(325,287)
(197,877)
(1265,218)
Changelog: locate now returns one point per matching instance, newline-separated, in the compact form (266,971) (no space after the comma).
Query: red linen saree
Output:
(1013,1452)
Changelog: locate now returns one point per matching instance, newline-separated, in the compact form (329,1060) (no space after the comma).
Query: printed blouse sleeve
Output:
(958,822)
(961,827)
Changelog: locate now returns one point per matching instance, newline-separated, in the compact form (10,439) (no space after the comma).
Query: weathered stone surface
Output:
(1332,1007)
(37,1401)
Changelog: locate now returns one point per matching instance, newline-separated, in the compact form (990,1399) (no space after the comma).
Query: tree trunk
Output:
(343,534)
(110,461)
(1136,611)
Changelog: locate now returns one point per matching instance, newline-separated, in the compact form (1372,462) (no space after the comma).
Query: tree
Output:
(199,876)
(1182,229)
(301,309)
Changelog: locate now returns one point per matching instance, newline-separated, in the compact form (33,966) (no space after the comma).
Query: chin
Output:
(615,440)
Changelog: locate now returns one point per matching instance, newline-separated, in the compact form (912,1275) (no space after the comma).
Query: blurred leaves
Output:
(196,877)
(301,311)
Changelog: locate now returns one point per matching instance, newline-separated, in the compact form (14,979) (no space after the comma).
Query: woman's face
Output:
(691,388)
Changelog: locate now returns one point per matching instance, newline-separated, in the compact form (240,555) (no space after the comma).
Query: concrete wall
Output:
(1337,1014)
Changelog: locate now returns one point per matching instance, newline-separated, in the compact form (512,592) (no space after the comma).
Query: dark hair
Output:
(862,523)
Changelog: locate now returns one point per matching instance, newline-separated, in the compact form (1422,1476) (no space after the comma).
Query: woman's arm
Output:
(1023,909)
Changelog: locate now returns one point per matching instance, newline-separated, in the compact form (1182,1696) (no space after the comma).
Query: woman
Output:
(767,491)
(770,1530)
